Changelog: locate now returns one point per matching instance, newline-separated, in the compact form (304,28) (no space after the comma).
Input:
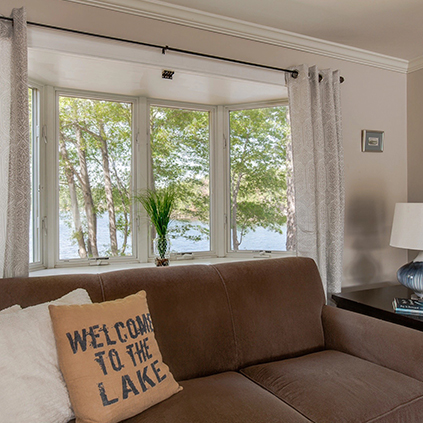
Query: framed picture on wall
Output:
(372,140)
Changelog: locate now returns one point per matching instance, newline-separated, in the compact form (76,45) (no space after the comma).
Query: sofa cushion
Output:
(330,386)
(191,315)
(343,328)
(276,305)
(31,385)
(226,397)
(110,359)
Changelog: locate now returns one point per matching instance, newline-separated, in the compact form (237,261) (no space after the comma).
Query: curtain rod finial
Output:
(295,74)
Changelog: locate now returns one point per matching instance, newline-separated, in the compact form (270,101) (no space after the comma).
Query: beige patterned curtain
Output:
(15,191)
(317,151)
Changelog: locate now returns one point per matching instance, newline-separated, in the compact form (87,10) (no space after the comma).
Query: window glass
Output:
(258,204)
(180,152)
(95,153)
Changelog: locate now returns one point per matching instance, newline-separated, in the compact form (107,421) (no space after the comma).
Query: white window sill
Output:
(121,266)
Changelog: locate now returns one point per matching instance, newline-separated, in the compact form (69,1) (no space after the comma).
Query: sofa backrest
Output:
(276,308)
(190,312)
(207,318)
(35,290)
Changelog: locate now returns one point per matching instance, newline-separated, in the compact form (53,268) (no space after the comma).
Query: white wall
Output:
(372,98)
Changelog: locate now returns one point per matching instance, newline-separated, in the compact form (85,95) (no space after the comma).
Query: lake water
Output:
(260,239)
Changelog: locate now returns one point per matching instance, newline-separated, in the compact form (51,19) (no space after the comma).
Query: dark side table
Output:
(378,303)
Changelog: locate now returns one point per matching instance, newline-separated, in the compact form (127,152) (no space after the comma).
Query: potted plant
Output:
(159,204)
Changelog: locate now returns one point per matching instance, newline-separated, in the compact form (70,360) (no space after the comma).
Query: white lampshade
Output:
(407,227)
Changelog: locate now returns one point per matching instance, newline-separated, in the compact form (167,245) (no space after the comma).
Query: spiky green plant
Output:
(159,205)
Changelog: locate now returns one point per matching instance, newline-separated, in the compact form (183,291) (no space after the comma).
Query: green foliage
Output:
(159,205)
(97,134)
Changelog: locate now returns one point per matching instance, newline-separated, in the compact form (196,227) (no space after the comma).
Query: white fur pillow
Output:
(11,309)
(32,388)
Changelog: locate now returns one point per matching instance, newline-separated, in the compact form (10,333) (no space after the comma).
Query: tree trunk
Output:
(235,243)
(109,191)
(70,176)
(88,198)
(124,195)
(234,211)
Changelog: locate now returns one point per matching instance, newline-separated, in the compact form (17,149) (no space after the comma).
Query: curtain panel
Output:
(317,154)
(15,193)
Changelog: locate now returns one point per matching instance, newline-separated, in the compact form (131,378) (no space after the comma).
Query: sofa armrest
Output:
(387,344)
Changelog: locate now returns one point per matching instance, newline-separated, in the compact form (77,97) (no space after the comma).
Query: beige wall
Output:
(415,139)
(415,136)
(371,99)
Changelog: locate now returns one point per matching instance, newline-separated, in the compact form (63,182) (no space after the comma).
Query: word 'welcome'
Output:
(100,335)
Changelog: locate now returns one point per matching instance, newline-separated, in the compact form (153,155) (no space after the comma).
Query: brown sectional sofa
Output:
(254,342)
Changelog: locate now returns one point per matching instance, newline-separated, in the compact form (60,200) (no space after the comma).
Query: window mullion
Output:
(220,179)
(36,185)
(141,171)
(49,219)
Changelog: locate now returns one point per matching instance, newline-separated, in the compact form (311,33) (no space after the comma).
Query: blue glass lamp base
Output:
(411,276)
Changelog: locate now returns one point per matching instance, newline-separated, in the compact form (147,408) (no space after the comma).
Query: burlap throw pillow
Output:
(110,359)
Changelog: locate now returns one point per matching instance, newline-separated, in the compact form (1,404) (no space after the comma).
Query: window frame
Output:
(37,176)
(54,218)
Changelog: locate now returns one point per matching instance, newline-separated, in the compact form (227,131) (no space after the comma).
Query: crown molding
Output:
(159,10)
(415,64)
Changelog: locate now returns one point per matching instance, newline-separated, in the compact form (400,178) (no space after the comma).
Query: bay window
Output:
(227,164)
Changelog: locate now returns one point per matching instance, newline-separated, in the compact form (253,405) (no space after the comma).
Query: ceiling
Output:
(105,76)
(76,62)
(389,27)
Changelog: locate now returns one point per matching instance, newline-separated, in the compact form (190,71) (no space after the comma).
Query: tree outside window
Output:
(95,151)
(258,178)
(96,194)
(180,156)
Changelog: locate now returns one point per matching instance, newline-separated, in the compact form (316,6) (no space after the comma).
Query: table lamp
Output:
(407,232)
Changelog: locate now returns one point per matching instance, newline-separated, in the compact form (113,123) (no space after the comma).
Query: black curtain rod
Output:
(294,73)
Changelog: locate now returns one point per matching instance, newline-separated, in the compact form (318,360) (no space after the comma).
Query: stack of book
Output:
(408,306)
